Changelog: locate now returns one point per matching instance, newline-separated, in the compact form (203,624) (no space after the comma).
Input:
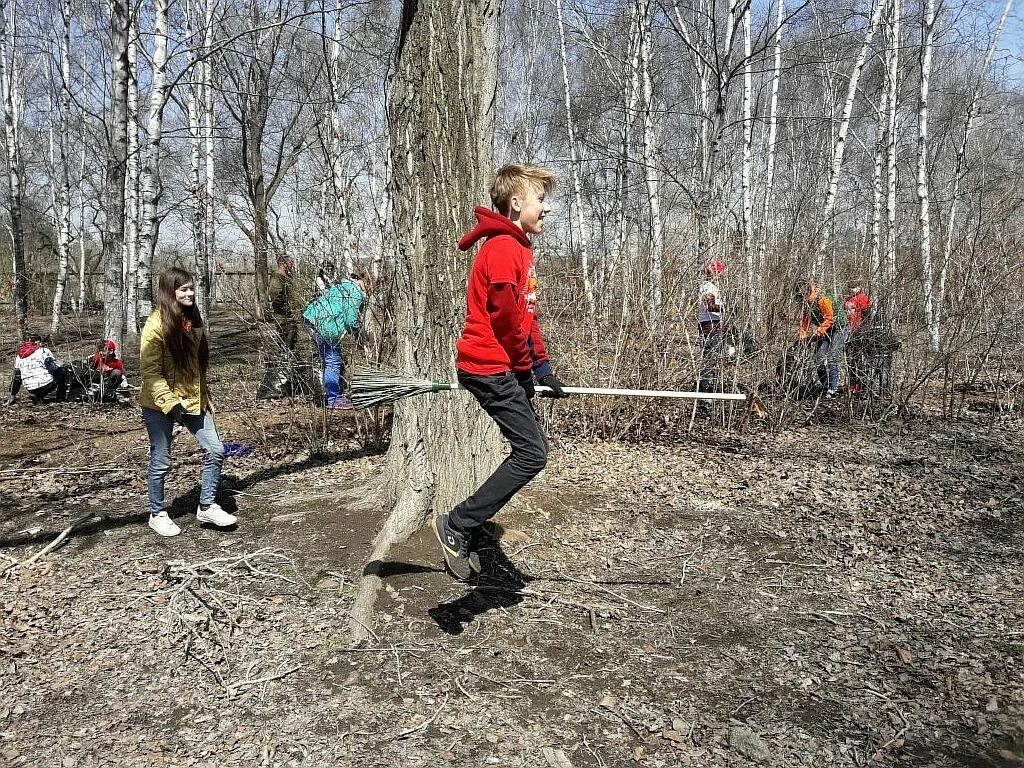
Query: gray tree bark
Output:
(116,167)
(442,124)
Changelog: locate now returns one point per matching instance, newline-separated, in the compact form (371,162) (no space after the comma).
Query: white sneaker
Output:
(214,515)
(163,525)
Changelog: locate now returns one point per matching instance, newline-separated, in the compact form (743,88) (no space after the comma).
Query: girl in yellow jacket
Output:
(175,355)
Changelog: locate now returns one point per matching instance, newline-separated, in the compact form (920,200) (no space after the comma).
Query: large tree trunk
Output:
(15,170)
(117,125)
(442,121)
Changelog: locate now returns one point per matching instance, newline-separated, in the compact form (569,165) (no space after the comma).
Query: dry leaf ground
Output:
(821,596)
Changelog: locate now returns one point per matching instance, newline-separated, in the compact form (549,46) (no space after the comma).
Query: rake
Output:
(369,388)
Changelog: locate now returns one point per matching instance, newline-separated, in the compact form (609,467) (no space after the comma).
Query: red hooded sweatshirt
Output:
(501,331)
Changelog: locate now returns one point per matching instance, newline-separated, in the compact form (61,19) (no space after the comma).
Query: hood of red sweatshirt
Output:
(490,224)
(27,348)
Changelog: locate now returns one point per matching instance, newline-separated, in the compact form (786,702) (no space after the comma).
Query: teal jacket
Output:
(336,312)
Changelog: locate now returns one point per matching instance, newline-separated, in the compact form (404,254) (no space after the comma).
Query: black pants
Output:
(505,402)
(58,385)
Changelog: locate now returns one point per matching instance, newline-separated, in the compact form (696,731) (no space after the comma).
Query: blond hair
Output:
(514,180)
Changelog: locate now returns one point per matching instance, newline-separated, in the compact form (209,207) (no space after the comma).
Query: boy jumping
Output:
(501,351)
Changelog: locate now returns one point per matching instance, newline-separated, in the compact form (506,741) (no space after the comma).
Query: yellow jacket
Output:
(163,385)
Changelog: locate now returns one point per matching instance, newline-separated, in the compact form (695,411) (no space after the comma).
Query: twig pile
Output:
(207,611)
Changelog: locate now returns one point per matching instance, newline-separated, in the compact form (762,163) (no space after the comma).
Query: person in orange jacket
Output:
(823,323)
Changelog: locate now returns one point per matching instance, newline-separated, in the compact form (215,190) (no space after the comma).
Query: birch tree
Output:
(767,220)
(61,169)
(892,85)
(151,183)
(652,180)
(114,174)
(960,163)
(839,149)
(132,183)
(441,110)
(748,161)
(576,220)
(923,192)
(209,217)
(15,166)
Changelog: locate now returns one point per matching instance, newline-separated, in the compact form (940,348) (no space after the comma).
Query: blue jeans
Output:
(161,432)
(830,348)
(333,364)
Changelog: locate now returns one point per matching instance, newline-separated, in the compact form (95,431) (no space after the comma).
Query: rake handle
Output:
(441,387)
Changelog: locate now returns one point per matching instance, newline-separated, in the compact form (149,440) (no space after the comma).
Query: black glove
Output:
(551,381)
(177,414)
(525,379)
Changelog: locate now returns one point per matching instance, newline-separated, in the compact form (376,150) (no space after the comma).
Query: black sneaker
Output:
(454,546)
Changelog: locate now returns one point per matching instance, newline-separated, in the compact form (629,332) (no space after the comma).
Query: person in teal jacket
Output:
(328,318)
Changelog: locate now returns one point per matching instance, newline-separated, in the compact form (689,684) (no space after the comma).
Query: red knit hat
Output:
(714,269)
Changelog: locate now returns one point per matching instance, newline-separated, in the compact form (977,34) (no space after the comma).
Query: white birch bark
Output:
(15,166)
(152,186)
(839,148)
(652,178)
(62,173)
(81,234)
(130,268)
(961,155)
(620,245)
(196,186)
(881,145)
(209,126)
(337,230)
(576,220)
(924,212)
(893,87)
(748,137)
(768,220)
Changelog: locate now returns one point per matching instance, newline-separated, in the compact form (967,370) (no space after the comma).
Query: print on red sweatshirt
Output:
(501,331)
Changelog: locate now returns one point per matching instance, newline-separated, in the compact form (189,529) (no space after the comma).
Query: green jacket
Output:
(337,311)
(281,293)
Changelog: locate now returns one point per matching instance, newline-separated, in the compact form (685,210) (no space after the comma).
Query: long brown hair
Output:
(176,320)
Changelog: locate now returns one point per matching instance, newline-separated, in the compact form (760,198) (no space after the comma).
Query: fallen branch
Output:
(422,726)
(233,689)
(60,539)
